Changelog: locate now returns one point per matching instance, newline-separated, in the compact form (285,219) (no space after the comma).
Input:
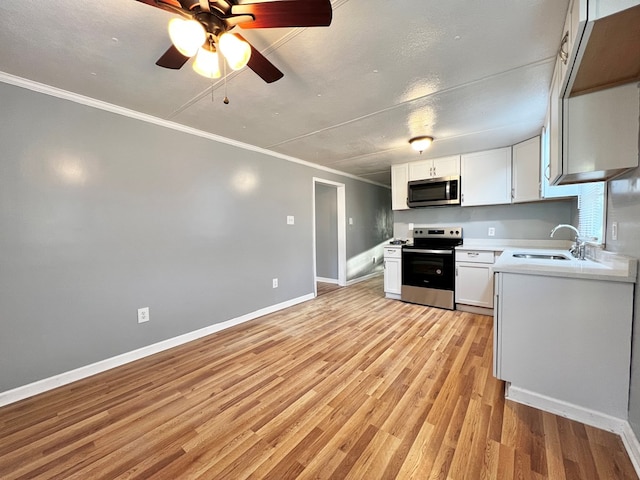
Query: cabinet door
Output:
(446,166)
(474,284)
(526,171)
(602,132)
(420,170)
(546,190)
(392,275)
(486,177)
(399,179)
(554,171)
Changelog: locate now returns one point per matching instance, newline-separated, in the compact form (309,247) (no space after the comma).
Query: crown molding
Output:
(109,107)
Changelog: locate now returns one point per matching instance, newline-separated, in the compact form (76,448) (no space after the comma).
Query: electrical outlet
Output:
(275,283)
(492,232)
(614,231)
(350,221)
(290,220)
(143,315)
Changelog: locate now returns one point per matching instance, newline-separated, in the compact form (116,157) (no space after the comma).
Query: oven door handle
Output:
(419,250)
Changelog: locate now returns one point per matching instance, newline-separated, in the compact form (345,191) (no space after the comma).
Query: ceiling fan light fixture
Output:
(187,35)
(235,51)
(421,143)
(206,63)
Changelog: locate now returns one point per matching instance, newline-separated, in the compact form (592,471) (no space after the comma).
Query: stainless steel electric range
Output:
(428,266)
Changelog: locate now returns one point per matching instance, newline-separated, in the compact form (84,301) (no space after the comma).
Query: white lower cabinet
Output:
(563,343)
(474,279)
(392,271)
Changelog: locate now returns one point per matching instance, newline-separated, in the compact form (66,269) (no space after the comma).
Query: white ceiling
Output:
(473,74)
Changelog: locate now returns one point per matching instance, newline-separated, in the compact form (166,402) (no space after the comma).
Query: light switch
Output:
(290,220)
(350,221)
(614,231)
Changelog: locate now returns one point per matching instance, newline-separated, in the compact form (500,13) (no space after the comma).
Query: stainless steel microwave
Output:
(434,191)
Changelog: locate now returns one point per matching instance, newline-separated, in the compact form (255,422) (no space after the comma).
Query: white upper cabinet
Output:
(595,46)
(553,169)
(593,130)
(399,179)
(601,137)
(525,177)
(486,177)
(434,168)
(548,191)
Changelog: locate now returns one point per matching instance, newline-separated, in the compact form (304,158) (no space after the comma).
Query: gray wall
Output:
(326,231)
(527,221)
(623,206)
(102,214)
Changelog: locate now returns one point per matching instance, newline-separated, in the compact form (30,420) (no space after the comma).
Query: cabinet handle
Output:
(456,271)
(472,254)
(562,52)
(513,193)
(547,175)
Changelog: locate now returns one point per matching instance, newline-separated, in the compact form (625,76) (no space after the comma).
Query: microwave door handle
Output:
(447,190)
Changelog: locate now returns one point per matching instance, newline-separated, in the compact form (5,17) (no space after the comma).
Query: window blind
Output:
(591,212)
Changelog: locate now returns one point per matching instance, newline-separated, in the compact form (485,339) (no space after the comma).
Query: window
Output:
(591,212)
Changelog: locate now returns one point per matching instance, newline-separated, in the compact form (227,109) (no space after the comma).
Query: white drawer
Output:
(474,256)
(393,252)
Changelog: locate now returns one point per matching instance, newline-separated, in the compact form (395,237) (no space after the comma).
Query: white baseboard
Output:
(473,309)
(567,410)
(363,278)
(31,389)
(327,280)
(632,446)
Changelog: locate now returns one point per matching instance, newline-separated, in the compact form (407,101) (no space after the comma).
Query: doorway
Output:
(329,235)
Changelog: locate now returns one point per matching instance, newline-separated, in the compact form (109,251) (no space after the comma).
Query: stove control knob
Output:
(439,272)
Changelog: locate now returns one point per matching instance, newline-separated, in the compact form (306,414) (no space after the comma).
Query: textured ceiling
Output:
(473,74)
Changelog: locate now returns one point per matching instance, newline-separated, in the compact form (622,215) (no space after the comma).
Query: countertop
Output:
(605,266)
(498,245)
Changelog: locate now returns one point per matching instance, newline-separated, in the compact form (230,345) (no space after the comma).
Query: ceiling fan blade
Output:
(286,13)
(261,66)
(169,5)
(172,58)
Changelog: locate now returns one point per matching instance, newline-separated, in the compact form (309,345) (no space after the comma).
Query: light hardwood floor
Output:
(349,385)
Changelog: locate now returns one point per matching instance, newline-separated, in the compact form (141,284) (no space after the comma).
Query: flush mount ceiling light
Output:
(421,143)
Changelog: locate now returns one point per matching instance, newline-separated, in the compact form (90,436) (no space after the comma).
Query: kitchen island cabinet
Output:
(564,344)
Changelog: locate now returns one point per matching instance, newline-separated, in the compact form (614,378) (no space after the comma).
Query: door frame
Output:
(341,227)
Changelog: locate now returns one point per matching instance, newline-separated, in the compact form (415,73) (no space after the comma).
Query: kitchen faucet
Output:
(578,248)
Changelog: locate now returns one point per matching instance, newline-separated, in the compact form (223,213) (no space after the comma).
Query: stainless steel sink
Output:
(541,256)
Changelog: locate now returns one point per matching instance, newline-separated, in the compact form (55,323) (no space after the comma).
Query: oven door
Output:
(428,276)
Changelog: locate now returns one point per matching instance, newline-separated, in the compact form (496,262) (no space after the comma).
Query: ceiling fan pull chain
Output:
(226,99)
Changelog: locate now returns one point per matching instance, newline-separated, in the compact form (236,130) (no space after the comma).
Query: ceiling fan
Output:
(206,31)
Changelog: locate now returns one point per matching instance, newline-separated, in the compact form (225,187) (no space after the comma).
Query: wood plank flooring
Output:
(325,287)
(347,386)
